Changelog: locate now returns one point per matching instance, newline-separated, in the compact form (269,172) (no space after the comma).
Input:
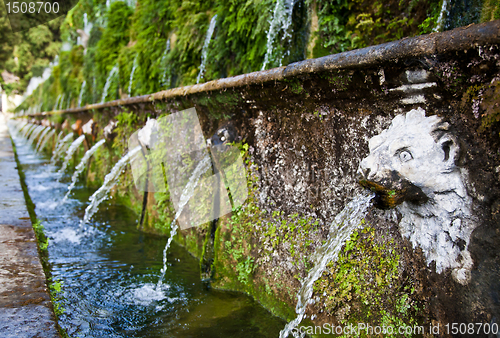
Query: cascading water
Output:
(81,166)
(109,182)
(164,80)
(57,102)
(24,125)
(60,147)
(70,152)
(68,105)
(29,131)
(103,276)
(442,17)
(61,102)
(348,220)
(281,21)
(46,139)
(35,134)
(108,83)
(42,136)
(187,193)
(80,96)
(204,51)
(134,66)
(58,140)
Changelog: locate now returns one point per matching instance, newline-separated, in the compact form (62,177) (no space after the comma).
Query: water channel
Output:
(109,270)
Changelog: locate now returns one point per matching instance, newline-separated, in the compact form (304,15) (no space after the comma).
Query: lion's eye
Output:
(405,156)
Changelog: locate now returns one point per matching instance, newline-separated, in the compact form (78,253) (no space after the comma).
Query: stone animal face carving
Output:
(412,164)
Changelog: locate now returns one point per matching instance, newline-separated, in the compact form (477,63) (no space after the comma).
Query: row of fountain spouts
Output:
(42,133)
(348,220)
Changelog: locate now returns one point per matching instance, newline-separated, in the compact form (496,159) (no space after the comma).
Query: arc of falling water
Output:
(69,153)
(44,142)
(42,135)
(164,81)
(186,195)
(108,83)
(60,147)
(29,131)
(81,166)
(35,134)
(282,15)
(80,96)
(60,107)
(134,66)
(348,220)
(442,16)
(57,102)
(204,50)
(109,182)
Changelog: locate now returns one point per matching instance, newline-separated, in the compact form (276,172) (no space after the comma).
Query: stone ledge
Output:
(25,306)
(459,39)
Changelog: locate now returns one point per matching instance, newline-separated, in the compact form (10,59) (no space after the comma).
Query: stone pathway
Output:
(25,307)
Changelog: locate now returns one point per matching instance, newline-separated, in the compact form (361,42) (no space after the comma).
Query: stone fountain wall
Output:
(303,131)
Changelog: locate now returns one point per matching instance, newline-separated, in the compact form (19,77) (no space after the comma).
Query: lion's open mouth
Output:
(400,191)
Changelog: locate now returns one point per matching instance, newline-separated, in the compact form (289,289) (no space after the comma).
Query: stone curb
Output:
(25,305)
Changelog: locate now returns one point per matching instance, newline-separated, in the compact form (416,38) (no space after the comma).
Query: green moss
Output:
(294,85)
(490,106)
(366,284)
(346,25)
(216,102)
(236,251)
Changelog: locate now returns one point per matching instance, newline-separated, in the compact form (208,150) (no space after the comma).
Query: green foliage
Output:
(7,38)
(55,288)
(430,22)
(245,269)
(346,25)
(240,41)
(491,10)
(114,37)
(42,240)
(25,54)
(365,283)
(125,127)
(490,106)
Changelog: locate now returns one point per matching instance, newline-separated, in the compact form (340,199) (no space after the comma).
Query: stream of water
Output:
(204,51)
(45,139)
(71,151)
(108,83)
(81,166)
(109,182)
(109,273)
(60,146)
(131,80)
(348,220)
(41,137)
(82,89)
(281,21)
(165,81)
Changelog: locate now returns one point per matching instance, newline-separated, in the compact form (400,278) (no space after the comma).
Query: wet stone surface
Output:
(25,308)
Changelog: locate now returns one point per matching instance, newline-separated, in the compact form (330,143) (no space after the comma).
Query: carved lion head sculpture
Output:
(412,166)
